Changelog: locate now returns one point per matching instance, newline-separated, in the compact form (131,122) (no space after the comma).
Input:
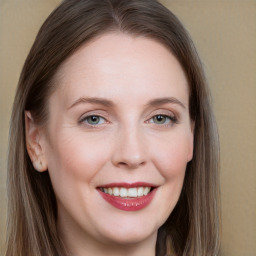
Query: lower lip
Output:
(129,204)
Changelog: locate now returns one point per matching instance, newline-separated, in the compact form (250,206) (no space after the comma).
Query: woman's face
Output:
(119,122)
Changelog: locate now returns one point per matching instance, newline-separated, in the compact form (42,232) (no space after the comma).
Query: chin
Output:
(130,234)
(129,238)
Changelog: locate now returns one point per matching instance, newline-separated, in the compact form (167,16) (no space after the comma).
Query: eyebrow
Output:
(93,100)
(108,103)
(162,101)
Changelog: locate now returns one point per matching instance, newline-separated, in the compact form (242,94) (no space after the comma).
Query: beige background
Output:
(225,35)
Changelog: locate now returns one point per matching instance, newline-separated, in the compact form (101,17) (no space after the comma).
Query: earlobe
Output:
(39,166)
(34,143)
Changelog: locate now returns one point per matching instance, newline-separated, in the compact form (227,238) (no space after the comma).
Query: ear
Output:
(191,141)
(34,143)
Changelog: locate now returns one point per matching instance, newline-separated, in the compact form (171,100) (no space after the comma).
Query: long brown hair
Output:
(193,226)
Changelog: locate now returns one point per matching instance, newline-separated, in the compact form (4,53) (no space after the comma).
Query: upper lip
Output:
(127,185)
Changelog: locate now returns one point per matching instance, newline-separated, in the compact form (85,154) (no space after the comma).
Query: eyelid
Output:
(165,112)
(97,112)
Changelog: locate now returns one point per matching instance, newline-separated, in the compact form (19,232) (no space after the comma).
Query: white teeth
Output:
(116,191)
(146,191)
(110,191)
(124,192)
(140,191)
(132,192)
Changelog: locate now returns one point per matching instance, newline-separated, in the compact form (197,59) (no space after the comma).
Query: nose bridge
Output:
(130,150)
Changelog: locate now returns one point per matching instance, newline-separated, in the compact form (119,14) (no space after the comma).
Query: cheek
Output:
(171,155)
(170,158)
(75,158)
(172,166)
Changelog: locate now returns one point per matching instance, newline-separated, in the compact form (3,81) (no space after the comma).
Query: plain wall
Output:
(225,35)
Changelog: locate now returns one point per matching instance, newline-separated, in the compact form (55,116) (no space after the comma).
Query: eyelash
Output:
(172,120)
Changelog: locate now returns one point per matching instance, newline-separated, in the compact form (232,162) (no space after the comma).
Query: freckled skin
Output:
(126,147)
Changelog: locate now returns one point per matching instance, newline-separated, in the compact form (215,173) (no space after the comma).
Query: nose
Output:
(130,149)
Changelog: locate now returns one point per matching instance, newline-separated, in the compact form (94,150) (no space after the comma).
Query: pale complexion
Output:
(141,132)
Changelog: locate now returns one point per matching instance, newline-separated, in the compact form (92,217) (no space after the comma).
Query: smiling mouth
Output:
(128,197)
(133,192)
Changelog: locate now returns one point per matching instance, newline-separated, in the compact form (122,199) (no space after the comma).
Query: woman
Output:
(113,144)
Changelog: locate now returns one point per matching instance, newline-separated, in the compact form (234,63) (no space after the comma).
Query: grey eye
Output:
(160,119)
(163,119)
(94,120)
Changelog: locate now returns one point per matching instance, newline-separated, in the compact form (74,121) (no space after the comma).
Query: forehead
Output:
(120,62)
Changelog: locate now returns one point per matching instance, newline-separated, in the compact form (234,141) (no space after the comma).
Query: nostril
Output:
(131,164)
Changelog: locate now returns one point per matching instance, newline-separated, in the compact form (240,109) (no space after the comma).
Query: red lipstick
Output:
(128,204)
